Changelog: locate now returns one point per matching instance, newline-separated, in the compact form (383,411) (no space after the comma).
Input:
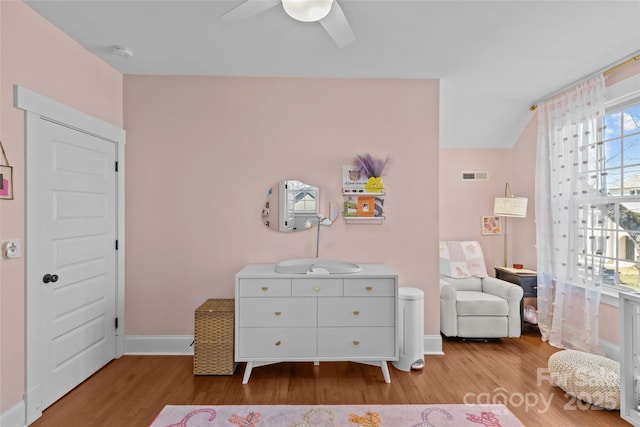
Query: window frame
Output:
(620,95)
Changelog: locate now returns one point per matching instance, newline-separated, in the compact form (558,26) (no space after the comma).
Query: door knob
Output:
(53,278)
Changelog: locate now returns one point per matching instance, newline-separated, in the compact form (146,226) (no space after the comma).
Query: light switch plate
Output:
(10,253)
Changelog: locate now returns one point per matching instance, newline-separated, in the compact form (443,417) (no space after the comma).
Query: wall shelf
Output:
(364,219)
(359,205)
(350,193)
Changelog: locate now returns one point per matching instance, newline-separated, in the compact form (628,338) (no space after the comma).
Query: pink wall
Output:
(36,55)
(203,151)
(522,179)
(463,203)
(623,73)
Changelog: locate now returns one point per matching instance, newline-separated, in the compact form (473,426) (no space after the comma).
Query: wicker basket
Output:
(213,337)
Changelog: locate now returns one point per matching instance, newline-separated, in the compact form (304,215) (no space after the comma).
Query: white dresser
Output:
(309,317)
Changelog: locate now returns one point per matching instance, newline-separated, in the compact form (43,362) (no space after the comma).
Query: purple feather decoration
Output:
(369,166)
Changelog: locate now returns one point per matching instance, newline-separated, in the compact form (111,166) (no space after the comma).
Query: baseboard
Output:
(14,416)
(433,344)
(159,344)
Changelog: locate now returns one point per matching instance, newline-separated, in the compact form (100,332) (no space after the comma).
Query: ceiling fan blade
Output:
(337,26)
(248,9)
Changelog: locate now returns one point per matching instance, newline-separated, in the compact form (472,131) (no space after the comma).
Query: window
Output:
(305,202)
(301,198)
(609,227)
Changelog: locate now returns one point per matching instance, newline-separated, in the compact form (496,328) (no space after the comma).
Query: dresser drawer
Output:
(355,311)
(316,287)
(264,287)
(277,343)
(354,343)
(277,312)
(369,287)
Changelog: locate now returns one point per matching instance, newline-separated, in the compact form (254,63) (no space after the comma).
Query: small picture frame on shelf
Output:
(491,225)
(6,182)
(366,206)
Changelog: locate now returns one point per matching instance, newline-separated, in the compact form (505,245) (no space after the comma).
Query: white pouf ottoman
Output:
(591,378)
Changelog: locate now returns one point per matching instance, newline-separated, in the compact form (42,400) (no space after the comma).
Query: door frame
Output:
(38,107)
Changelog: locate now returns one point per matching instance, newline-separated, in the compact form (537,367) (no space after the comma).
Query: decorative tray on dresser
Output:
(316,317)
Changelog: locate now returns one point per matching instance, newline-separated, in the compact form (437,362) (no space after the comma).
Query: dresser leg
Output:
(382,364)
(385,371)
(247,372)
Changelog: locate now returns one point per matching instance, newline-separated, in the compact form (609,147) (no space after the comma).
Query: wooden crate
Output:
(213,338)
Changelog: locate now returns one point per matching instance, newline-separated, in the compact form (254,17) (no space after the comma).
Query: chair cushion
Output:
(471,303)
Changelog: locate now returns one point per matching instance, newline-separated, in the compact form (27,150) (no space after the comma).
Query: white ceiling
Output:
(494,58)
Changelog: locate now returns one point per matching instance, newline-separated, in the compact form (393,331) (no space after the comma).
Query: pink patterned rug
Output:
(336,415)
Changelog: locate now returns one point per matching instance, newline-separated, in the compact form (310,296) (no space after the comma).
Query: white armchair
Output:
(473,305)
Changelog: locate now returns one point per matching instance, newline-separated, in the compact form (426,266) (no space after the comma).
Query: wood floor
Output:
(130,391)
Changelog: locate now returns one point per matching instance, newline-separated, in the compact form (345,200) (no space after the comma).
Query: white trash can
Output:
(410,329)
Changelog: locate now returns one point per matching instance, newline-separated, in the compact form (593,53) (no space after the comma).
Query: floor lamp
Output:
(509,206)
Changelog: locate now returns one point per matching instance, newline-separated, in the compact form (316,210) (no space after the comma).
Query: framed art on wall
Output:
(6,177)
(491,225)
(6,182)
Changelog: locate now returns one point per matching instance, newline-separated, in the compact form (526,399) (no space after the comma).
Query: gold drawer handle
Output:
(278,313)
(356,312)
(356,343)
(369,288)
(317,289)
(278,343)
(265,288)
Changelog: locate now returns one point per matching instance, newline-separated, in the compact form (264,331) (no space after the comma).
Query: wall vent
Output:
(475,176)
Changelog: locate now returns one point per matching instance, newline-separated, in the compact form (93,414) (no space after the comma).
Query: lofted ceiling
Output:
(493,58)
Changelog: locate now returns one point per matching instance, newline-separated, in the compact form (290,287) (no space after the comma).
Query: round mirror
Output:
(291,205)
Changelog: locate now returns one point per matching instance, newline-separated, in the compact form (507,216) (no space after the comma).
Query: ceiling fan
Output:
(327,12)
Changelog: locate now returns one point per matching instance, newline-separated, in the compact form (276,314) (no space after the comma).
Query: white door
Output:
(76,255)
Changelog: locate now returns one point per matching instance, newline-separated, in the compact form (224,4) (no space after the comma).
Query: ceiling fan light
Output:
(307,10)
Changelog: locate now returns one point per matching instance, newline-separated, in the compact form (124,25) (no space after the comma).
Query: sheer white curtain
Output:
(570,215)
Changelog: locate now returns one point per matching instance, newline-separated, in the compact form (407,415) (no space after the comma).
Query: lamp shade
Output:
(307,10)
(510,206)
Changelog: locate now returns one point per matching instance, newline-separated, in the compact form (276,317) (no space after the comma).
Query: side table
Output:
(526,279)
